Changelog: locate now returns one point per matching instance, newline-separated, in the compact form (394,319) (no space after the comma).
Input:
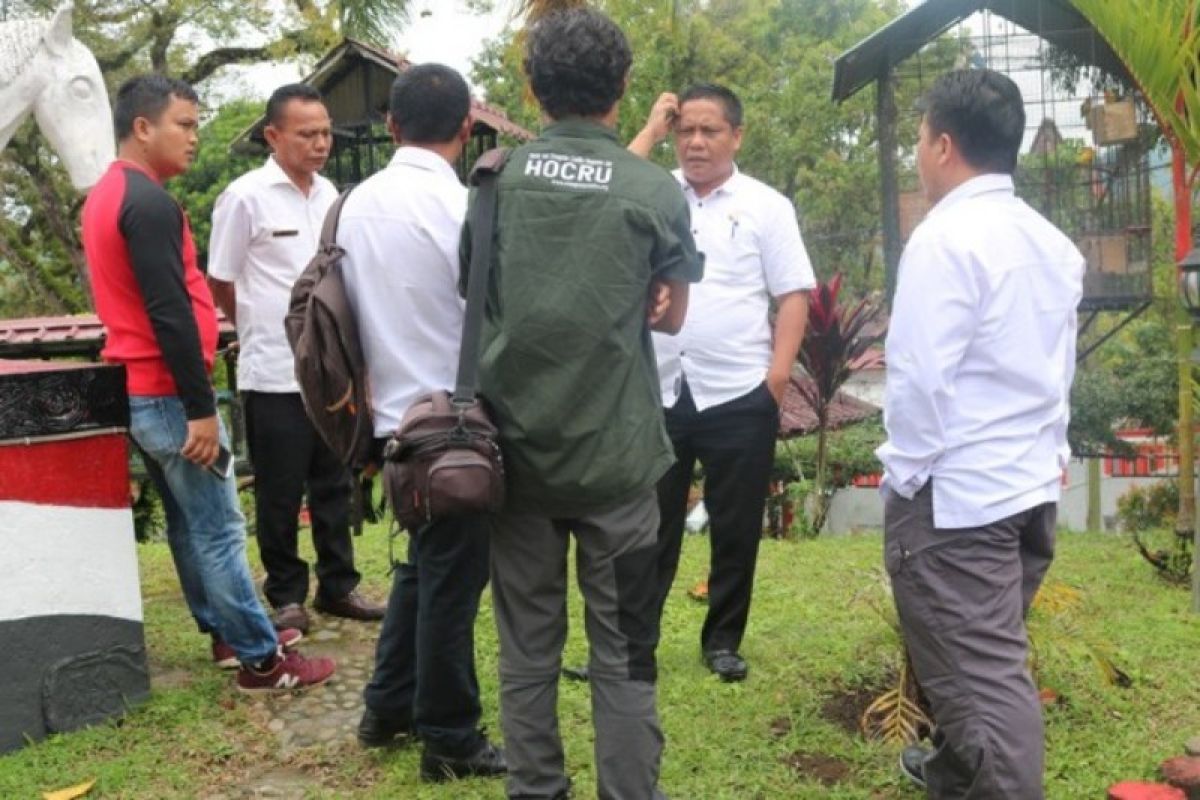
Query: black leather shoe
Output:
(727,664)
(912,764)
(486,762)
(352,606)
(375,730)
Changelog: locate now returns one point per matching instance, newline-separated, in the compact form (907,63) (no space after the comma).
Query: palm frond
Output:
(1159,43)
(536,9)
(896,716)
(376,22)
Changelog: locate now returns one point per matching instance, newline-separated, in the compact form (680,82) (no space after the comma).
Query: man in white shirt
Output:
(266,226)
(723,376)
(980,358)
(400,229)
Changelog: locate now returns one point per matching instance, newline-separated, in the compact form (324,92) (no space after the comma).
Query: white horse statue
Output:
(46,70)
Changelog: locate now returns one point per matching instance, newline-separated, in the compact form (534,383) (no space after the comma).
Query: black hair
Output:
(577,61)
(982,112)
(147,96)
(429,103)
(729,101)
(286,93)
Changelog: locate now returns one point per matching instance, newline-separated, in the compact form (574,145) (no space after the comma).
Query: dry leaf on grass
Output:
(71,792)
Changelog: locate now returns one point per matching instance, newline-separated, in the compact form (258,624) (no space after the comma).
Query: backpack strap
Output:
(484,175)
(332,217)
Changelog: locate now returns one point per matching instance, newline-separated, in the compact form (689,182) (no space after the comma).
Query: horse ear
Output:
(58,35)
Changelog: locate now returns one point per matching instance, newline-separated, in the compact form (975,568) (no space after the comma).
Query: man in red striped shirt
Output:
(161,324)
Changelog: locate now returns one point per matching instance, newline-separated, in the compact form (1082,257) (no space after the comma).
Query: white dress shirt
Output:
(400,229)
(980,357)
(753,251)
(264,233)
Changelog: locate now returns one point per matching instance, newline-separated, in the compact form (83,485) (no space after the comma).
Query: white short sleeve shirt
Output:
(980,357)
(264,233)
(400,229)
(753,252)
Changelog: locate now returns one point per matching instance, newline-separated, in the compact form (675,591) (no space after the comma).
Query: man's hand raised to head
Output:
(658,125)
(203,441)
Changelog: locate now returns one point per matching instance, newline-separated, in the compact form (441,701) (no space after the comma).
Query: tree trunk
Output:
(1094,522)
(1185,522)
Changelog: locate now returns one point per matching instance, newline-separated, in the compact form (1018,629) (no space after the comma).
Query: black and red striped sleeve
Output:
(152,224)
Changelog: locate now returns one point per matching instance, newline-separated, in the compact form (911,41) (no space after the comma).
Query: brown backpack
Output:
(330,367)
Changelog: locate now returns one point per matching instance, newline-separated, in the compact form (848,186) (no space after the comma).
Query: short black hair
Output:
(729,101)
(147,96)
(429,103)
(982,111)
(286,93)
(577,61)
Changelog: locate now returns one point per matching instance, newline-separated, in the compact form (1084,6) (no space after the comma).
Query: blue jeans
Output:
(205,529)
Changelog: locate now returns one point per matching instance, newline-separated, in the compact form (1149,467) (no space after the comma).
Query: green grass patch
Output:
(815,649)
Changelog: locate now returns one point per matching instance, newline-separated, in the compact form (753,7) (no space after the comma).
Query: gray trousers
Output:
(616,572)
(962,595)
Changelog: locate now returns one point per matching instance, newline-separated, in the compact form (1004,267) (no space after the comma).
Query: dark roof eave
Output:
(1056,21)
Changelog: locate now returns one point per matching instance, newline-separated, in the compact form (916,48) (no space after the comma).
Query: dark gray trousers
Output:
(962,595)
(615,566)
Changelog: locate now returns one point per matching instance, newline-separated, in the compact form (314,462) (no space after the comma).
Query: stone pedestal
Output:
(71,609)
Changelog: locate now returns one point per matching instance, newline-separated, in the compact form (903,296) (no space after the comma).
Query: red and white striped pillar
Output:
(72,651)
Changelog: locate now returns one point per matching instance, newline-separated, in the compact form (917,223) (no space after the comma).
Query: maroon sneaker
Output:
(225,658)
(289,672)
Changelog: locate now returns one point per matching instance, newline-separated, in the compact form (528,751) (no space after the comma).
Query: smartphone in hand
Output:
(223,466)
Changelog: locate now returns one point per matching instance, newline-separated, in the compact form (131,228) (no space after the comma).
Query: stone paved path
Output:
(330,713)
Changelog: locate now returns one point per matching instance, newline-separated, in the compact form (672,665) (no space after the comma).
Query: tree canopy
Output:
(777,55)
(41,263)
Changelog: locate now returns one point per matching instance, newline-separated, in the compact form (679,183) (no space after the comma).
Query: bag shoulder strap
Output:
(484,176)
(332,218)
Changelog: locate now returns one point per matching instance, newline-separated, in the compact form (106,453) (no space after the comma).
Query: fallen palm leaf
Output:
(896,715)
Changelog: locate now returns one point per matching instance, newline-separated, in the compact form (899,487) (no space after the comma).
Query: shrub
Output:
(1151,506)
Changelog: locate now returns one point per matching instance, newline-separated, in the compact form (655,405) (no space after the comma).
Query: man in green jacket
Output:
(593,250)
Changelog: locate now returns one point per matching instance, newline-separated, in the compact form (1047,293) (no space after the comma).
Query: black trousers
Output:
(425,657)
(289,457)
(735,443)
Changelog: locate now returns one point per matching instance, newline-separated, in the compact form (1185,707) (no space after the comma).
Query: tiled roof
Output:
(797,419)
(78,335)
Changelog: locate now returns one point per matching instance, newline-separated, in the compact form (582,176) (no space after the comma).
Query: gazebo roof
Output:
(355,80)
(1056,21)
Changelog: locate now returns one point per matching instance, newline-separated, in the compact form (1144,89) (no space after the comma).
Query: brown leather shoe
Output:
(291,615)
(352,606)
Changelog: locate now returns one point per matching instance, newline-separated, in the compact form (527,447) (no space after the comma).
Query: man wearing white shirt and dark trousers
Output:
(400,229)
(265,229)
(980,358)
(723,376)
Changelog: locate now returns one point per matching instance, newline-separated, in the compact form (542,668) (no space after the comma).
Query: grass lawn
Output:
(814,644)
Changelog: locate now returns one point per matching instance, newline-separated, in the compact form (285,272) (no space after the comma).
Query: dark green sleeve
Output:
(464,246)
(675,257)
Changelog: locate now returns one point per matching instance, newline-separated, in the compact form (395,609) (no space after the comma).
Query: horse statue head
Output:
(46,70)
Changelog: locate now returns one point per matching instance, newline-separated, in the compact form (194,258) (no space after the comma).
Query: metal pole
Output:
(889,182)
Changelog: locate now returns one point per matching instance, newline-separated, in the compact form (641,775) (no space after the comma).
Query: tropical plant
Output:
(900,714)
(1144,512)
(836,340)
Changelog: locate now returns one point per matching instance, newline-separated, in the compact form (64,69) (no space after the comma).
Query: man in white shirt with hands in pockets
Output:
(980,358)
(723,376)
